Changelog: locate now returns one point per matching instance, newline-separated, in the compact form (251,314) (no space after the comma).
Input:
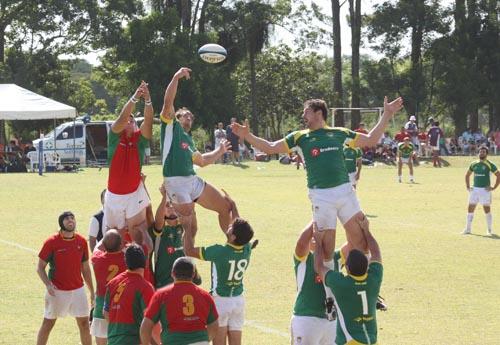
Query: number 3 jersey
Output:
(229,263)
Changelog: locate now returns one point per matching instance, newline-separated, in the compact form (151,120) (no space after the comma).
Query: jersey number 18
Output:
(237,269)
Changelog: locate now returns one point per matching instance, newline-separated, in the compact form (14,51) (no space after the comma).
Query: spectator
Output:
(434,135)
(68,257)
(361,129)
(401,135)
(412,130)
(234,140)
(95,226)
(219,135)
(187,313)
(3,165)
(497,138)
(422,138)
(107,263)
(127,295)
(28,147)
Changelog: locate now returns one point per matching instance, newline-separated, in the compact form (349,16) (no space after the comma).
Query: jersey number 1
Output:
(364,301)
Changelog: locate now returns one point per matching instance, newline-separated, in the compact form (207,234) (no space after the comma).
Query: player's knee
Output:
(83,324)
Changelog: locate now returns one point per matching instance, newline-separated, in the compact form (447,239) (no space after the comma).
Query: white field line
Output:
(250,323)
(17,245)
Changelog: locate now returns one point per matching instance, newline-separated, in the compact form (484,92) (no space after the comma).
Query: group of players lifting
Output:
(337,290)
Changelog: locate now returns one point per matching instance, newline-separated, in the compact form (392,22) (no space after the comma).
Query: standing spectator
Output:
(187,313)
(497,138)
(107,264)
(434,135)
(219,135)
(95,226)
(229,264)
(234,140)
(68,257)
(422,138)
(127,296)
(412,130)
(401,135)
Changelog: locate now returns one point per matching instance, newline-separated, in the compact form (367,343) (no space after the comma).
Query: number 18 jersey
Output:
(229,263)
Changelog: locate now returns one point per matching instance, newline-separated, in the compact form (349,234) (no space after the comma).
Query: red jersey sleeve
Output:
(153,309)
(46,252)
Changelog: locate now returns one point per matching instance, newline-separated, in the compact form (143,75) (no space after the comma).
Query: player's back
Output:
(107,266)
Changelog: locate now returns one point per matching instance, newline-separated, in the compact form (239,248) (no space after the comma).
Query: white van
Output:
(89,141)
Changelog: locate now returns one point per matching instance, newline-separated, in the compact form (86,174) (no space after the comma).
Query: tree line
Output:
(443,60)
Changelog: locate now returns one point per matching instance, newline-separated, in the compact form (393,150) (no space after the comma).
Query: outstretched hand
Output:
(225,145)
(240,130)
(392,107)
(184,72)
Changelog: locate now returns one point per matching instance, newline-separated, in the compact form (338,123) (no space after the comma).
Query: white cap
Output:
(413,118)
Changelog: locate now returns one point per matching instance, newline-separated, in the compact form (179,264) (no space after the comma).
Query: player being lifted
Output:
(353,162)
(481,192)
(184,188)
(330,192)
(126,199)
(406,153)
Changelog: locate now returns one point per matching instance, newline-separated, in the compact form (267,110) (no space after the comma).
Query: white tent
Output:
(17,103)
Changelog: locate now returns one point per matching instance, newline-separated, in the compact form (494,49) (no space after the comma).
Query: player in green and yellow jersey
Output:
(481,192)
(229,263)
(321,146)
(406,153)
(178,155)
(313,320)
(353,162)
(356,293)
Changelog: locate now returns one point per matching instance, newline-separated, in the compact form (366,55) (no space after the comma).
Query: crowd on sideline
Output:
(14,155)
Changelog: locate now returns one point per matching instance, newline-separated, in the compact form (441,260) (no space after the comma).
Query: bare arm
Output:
(359,165)
(160,211)
(497,182)
(372,245)
(212,329)
(92,243)
(87,277)
(268,147)
(302,246)
(168,111)
(234,209)
(146,330)
(208,158)
(319,265)
(40,269)
(189,248)
(120,123)
(370,139)
(467,179)
(147,124)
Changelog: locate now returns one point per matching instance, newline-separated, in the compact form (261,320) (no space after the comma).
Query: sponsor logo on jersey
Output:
(315,152)
(184,145)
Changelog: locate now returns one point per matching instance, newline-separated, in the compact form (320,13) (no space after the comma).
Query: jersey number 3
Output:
(188,305)
(237,269)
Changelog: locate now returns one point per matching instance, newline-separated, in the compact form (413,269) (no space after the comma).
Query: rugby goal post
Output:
(348,121)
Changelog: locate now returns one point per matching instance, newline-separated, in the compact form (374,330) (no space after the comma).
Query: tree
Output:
(338,92)
(355,21)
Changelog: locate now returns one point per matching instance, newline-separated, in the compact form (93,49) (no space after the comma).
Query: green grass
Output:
(442,287)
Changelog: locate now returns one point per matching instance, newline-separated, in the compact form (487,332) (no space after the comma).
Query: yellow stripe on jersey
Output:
(359,278)
(488,164)
(342,259)
(300,133)
(235,246)
(166,120)
(354,342)
(300,258)
(200,253)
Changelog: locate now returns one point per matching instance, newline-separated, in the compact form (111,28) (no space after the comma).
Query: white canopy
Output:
(17,103)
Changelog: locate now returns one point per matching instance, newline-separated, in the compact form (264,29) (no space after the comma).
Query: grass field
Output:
(441,287)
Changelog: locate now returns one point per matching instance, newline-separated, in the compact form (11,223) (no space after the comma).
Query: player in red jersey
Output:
(126,198)
(107,264)
(187,313)
(127,295)
(67,255)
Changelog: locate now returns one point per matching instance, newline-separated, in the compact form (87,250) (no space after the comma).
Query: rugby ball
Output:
(212,53)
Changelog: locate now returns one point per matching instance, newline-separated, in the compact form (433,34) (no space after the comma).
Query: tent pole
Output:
(55,142)
(74,140)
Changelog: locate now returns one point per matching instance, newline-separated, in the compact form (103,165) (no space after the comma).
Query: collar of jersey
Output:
(183,282)
(67,239)
(132,272)
(234,246)
(359,278)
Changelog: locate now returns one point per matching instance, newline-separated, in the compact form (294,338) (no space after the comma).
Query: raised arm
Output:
(147,124)
(269,147)
(319,265)
(370,139)
(120,123)
(160,211)
(211,157)
(189,248)
(302,245)
(371,242)
(168,111)
(234,209)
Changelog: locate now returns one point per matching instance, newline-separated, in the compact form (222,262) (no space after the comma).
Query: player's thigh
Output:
(324,208)
(329,332)
(79,306)
(354,234)
(137,204)
(237,314)
(114,211)
(485,197)
(212,199)
(305,330)
(99,328)
(474,196)
(58,305)
(183,189)
(223,306)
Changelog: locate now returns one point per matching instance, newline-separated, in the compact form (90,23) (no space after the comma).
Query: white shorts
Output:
(72,303)
(435,148)
(99,328)
(405,160)
(352,178)
(118,208)
(330,203)
(309,330)
(480,196)
(231,312)
(184,189)
(200,343)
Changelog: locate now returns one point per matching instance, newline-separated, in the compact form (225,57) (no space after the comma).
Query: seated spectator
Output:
(3,165)
(453,146)
(244,151)
(260,156)
(401,135)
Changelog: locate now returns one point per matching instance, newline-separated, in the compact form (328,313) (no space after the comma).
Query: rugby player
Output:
(353,162)
(406,153)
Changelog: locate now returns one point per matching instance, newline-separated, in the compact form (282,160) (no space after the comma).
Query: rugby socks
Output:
(411,178)
(399,178)
(330,264)
(470,216)
(489,221)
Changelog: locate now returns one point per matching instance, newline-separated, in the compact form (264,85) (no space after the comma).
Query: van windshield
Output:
(58,129)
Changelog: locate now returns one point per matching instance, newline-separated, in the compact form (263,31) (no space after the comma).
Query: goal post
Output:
(363,111)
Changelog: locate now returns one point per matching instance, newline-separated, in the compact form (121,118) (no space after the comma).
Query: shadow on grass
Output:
(493,237)
(371,216)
